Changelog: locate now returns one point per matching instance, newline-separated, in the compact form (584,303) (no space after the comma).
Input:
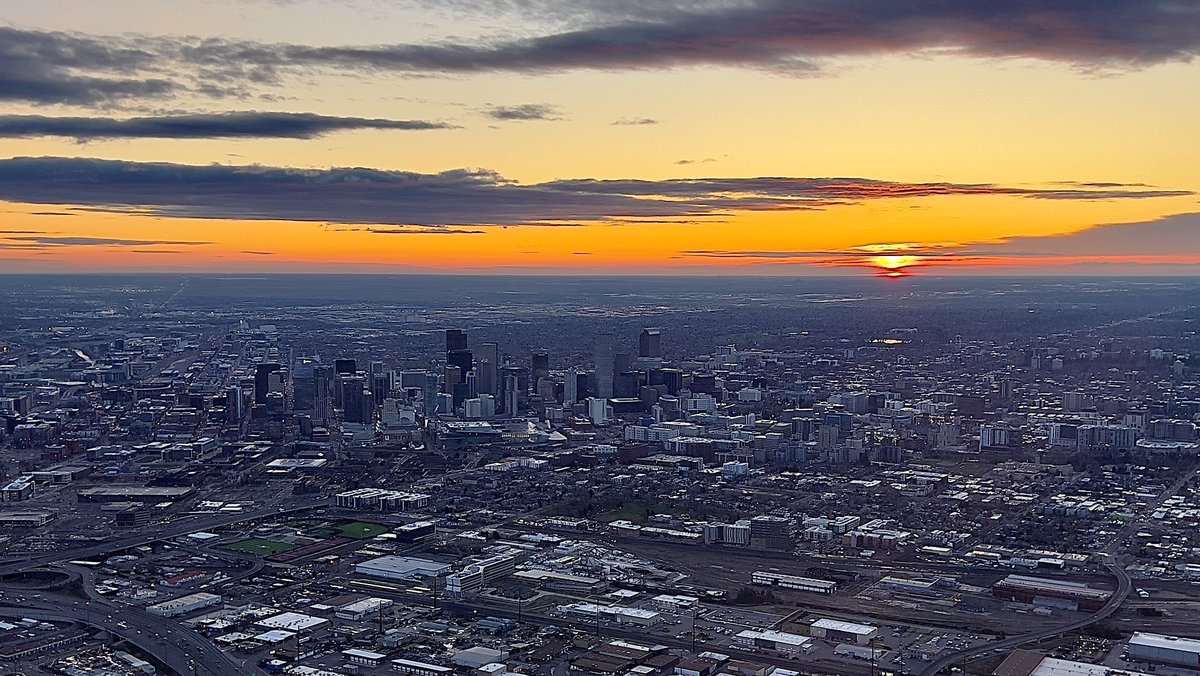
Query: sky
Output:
(776,137)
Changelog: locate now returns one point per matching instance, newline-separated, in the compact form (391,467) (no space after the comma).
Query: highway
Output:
(182,650)
(1124,585)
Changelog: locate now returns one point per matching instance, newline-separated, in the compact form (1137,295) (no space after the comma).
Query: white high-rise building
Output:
(599,412)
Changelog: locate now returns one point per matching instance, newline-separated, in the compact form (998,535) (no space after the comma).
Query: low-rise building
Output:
(184,604)
(1162,649)
(793,582)
(840,631)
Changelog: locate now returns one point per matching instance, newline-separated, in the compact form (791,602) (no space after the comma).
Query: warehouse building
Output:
(474,658)
(807,584)
(401,568)
(420,668)
(29,518)
(619,614)
(364,658)
(294,622)
(781,641)
(843,632)
(923,587)
(1160,649)
(363,608)
(554,580)
(1031,663)
(185,604)
(1050,593)
(150,494)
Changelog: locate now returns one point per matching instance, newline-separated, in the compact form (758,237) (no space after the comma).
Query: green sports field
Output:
(260,547)
(360,530)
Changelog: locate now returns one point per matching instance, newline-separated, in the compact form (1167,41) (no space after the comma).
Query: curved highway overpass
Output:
(1124,585)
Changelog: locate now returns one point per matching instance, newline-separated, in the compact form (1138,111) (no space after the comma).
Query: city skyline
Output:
(745,137)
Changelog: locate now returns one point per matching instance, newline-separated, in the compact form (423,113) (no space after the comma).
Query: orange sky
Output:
(911,114)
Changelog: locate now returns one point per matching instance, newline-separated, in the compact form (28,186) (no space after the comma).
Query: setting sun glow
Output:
(894,263)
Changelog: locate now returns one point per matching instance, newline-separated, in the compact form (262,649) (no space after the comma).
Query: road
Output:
(1136,524)
(175,529)
(182,650)
(1124,585)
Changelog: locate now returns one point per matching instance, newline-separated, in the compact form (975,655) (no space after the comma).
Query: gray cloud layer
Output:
(452,198)
(782,35)
(44,242)
(44,67)
(249,124)
(792,34)
(523,112)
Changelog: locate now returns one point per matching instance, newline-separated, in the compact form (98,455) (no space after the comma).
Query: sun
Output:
(894,262)
(893,265)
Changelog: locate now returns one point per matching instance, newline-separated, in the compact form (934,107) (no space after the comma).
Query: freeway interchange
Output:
(180,649)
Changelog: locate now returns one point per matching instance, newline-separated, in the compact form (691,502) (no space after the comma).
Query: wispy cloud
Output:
(452,198)
(634,122)
(248,124)
(49,241)
(523,112)
(425,231)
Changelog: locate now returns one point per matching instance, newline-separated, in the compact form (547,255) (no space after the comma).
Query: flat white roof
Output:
(677,599)
(794,579)
(1168,642)
(632,612)
(292,621)
(402,565)
(275,636)
(368,604)
(1052,666)
(198,597)
(364,654)
(775,636)
(422,666)
(842,626)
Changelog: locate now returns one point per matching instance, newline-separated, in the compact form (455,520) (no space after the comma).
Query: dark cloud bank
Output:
(452,198)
